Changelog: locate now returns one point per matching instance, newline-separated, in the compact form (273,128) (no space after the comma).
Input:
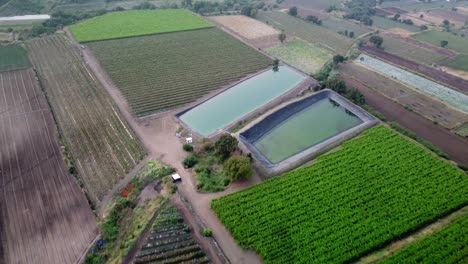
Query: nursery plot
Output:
(372,190)
(314,34)
(161,72)
(44,216)
(13,57)
(137,23)
(170,241)
(447,245)
(456,99)
(101,142)
(301,55)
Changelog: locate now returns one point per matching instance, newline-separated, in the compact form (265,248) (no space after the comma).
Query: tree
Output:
(376,40)
(314,20)
(396,17)
(336,85)
(238,168)
(356,97)
(443,43)
(249,11)
(226,145)
(187,3)
(423,27)
(275,65)
(293,11)
(282,37)
(338,59)
(351,34)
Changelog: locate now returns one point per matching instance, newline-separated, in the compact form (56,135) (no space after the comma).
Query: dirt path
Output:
(455,146)
(157,133)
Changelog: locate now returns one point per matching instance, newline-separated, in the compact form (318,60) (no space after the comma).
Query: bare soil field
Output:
(44,215)
(103,145)
(455,146)
(424,105)
(251,30)
(412,41)
(432,73)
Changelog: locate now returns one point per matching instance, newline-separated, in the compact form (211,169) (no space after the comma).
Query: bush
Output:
(225,146)
(187,147)
(190,161)
(238,168)
(208,232)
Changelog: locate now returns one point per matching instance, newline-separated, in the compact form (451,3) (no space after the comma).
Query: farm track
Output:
(41,207)
(456,147)
(101,142)
(434,74)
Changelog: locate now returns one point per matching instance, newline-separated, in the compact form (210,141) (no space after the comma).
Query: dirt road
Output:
(157,133)
(455,146)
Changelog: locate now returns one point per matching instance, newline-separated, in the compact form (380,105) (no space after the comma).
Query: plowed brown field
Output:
(44,216)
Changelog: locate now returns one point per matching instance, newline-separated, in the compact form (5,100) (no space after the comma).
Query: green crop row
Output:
(160,72)
(102,143)
(137,23)
(448,246)
(349,202)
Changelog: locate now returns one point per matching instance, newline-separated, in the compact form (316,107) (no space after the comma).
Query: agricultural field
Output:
(161,72)
(44,216)
(386,23)
(137,23)
(170,241)
(434,37)
(447,245)
(451,97)
(342,25)
(103,146)
(301,55)
(463,130)
(458,18)
(317,35)
(430,72)
(13,57)
(246,27)
(417,102)
(374,189)
(410,51)
(459,63)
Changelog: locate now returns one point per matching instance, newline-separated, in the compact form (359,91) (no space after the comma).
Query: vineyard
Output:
(314,34)
(302,55)
(137,23)
(456,99)
(349,202)
(101,142)
(170,241)
(160,72)
(13,57)
(448,245)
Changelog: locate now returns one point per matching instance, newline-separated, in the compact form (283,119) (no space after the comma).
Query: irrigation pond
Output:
(231,105)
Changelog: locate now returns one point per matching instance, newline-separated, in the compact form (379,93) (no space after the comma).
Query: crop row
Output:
(448,245)
(451,97)
(170,241)
(374,189)
(102,143)
(160,72)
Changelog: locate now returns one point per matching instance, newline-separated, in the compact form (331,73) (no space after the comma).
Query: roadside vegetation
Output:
(137,23)
(331,200)
(129,215)
(160,72)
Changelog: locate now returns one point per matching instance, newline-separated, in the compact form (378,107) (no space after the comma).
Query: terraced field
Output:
(102,144)
(170,241)
(13,57)
(342,25)
(137,23)
(160,72)
(44,216)
(349,202)
(314,34)
(301,55)
(447,245)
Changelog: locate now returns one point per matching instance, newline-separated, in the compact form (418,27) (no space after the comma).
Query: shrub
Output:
(187,147)
(208,232)
(238,168)
(226,145)
(190,161)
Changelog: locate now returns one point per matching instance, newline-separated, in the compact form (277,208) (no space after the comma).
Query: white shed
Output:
(176,177)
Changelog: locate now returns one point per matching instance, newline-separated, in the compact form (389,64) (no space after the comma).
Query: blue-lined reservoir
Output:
(241,99)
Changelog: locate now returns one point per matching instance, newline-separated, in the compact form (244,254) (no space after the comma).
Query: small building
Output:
(176,177)
(189,140)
